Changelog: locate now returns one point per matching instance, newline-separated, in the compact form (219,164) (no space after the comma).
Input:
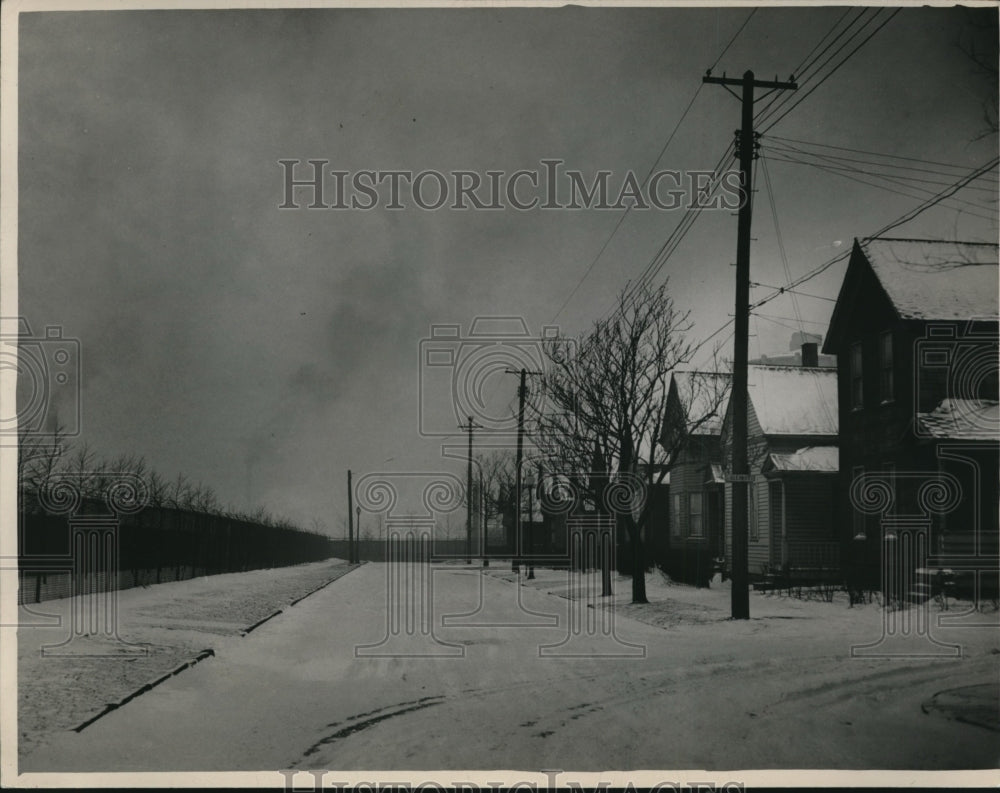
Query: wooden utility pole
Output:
(740,468)
(468,491)
(350,520)
(531,524)
(482,517)
(522,390)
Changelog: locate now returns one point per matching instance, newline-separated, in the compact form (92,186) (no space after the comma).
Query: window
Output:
(857,381)
(675,515)
(886,384)
(696,505)
(752,511)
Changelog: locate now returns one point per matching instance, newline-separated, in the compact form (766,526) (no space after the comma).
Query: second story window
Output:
(695,507)
(857,381)
(886,385)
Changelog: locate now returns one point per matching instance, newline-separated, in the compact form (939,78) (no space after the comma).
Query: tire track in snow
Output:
(371,720)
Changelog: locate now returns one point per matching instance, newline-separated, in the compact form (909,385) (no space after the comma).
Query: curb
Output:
(258,623)
(208,653)
(147,687)
(321,586)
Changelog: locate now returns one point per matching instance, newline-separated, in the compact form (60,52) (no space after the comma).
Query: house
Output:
(793,462)
(915,331)
(691,539)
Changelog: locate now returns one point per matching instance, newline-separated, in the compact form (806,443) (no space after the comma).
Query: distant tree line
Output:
(44,461)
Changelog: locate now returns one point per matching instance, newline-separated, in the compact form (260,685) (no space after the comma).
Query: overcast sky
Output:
(265,351)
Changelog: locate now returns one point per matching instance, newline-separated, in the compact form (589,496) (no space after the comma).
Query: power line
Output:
(904,218)
(776,322)
(668,247)
(940,197)
(777,232)
(628,209)
(841,163)
(735,36)
(799,69)
(773,106)
(788,144)
(793,291)
(968,206)
(863,151)
(659,157)
(770,112)
(799,100)
(791,319)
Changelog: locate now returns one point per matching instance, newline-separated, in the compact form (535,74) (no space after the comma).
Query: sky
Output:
(265,351)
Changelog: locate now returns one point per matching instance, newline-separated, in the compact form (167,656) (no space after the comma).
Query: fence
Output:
(155,545)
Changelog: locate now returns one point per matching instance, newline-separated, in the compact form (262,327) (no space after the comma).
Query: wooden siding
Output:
(688,477)
(808,513)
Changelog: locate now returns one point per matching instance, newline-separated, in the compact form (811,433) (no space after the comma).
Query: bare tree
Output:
(39,458)
(498,478)
(605,396)
(318,526)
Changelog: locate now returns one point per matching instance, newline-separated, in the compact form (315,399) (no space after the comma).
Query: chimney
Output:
(810,354)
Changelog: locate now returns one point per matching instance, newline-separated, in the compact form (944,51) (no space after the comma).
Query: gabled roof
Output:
(823,459)
(921,280)
(702,396)
(794,400)
(935,279)
(962,419)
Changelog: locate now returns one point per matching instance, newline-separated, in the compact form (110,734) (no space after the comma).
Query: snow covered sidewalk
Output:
(162,626)
(331,685)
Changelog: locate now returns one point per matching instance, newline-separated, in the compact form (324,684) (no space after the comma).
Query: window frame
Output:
(698,497)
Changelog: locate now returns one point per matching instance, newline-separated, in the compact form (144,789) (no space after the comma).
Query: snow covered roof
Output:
(934,279)
(809,458)
(703,394)
(962,419)
(794,400)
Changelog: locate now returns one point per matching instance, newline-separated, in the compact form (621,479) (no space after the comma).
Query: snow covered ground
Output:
(509,680)
(171,622)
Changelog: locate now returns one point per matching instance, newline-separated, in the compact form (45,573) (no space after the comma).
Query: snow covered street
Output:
(779,691)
